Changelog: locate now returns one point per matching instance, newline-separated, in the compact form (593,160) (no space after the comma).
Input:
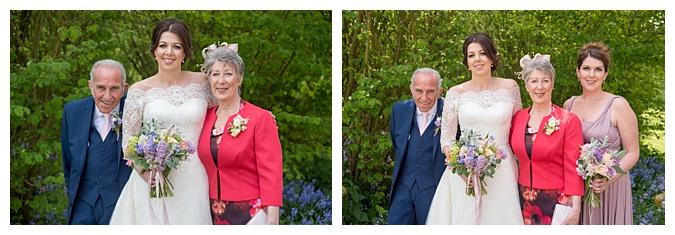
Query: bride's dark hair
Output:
(488,45)
(175,26)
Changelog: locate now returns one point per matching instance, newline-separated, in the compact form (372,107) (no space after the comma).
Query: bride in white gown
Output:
(484,104)
(173,97)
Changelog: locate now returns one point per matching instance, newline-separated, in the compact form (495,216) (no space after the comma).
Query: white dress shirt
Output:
(431,117)
(99,119)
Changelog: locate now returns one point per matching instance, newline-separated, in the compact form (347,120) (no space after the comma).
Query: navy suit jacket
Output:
(402,114)
(75,127)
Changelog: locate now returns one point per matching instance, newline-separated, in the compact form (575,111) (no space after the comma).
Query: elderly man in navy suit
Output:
(419,161)
(91,148)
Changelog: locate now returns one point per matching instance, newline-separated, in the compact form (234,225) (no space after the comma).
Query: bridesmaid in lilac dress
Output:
(605,114)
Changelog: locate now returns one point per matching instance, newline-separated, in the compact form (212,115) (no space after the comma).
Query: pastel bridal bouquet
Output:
(477,156)
(595,162)
(158,150)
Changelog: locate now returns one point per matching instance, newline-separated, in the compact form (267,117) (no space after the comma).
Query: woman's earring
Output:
(492,65)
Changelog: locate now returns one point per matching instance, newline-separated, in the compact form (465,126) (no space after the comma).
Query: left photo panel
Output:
(170,117)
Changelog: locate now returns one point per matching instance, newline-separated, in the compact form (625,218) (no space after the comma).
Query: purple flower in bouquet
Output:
(162,148)
(502,154)
(481,162)
(162,151)
(149,149)
(191,148)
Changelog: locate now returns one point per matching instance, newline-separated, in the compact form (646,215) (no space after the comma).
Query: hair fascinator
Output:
(526,59)
(213,47)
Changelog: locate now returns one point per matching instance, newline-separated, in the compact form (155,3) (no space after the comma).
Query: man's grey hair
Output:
(109,63)
(427,70)
(541,65)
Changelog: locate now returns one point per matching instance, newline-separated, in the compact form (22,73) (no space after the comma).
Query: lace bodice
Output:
(184,107)
(486,111)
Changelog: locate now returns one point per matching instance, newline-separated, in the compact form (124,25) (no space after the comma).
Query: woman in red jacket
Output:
(545,139)
(239,146)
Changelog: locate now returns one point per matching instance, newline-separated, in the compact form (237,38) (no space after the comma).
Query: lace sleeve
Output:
(515,97)
(132,115)
(449,119)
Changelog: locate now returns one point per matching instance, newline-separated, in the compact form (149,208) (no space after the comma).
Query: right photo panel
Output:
(536,117)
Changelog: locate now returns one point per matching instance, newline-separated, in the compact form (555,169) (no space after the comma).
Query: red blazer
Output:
(249,165)
(554,157)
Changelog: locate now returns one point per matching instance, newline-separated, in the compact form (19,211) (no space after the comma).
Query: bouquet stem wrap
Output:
(479,200)
(159,191)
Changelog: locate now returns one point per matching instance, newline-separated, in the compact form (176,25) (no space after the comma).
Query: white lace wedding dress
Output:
(185,107)
(488,112)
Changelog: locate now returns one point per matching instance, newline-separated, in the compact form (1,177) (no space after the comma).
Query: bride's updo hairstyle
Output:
(488,45)
(539,62)
(177,27)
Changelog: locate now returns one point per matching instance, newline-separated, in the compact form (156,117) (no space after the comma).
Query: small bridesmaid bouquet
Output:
(595,162)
